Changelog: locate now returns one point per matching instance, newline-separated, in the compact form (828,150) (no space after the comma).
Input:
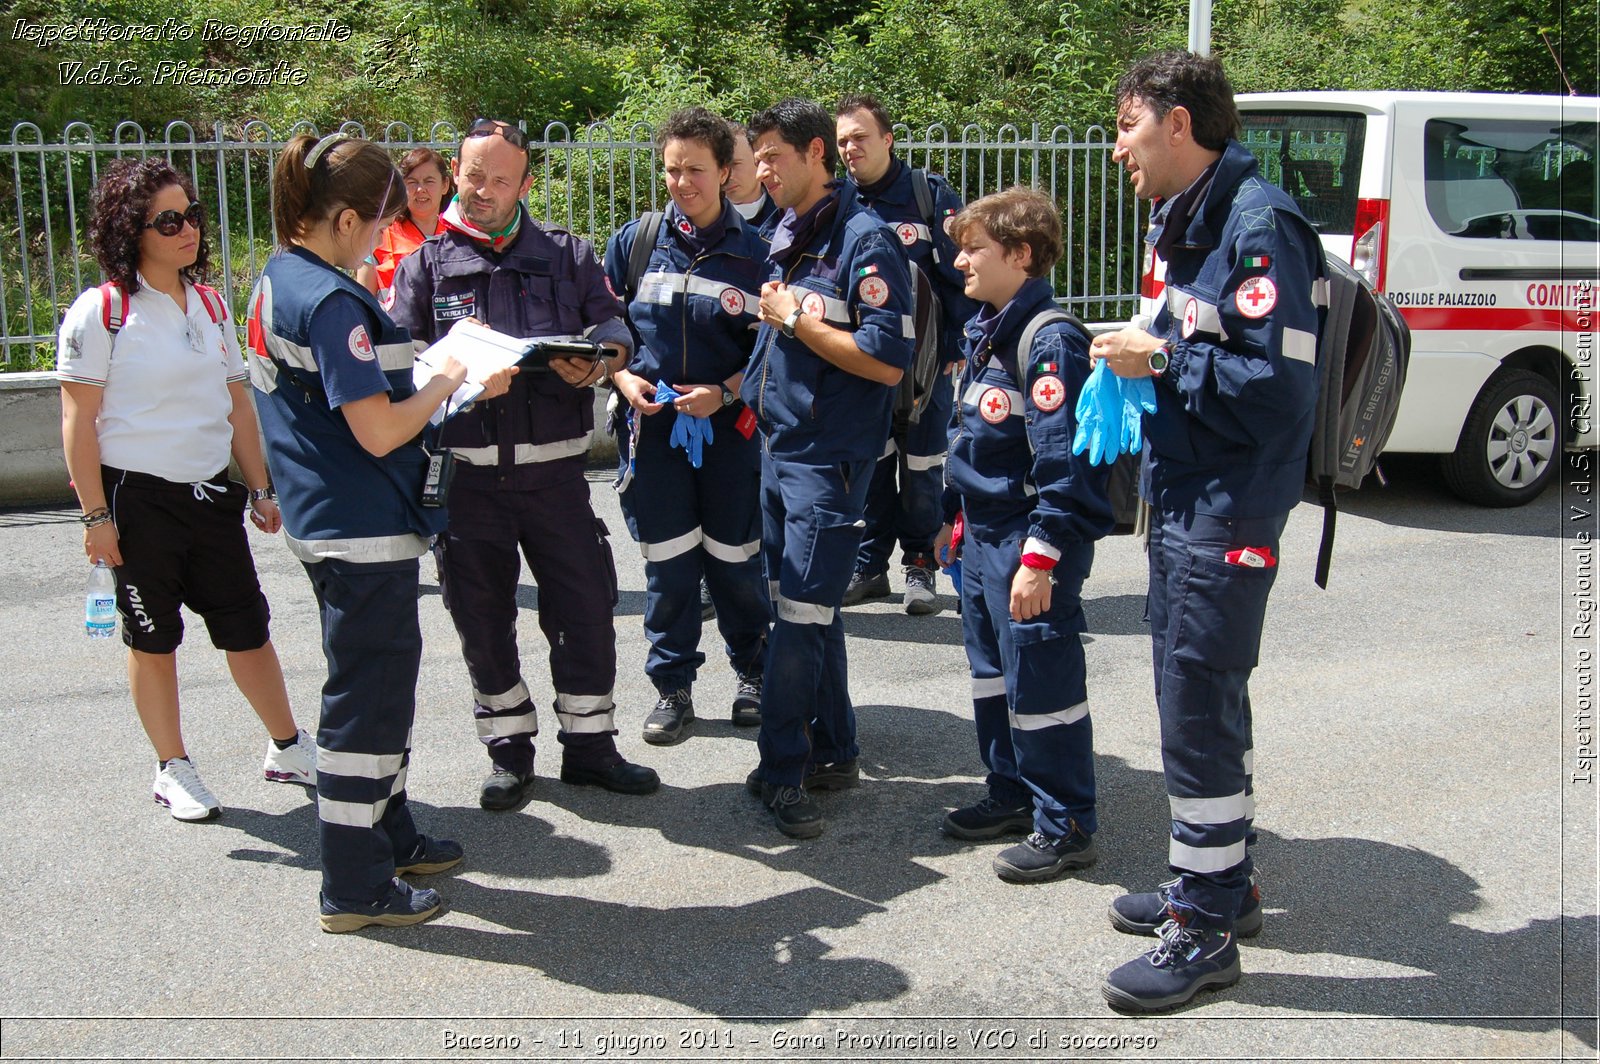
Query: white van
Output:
(1477,214)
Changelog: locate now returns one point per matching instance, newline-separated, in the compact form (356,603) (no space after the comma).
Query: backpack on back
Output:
(114,306)
(644,242)
(1362,356)
(1122,486)
(926,371)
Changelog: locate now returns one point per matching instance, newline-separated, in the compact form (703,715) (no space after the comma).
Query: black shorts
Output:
(184,545)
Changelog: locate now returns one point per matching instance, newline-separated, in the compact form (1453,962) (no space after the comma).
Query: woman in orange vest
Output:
(427,188)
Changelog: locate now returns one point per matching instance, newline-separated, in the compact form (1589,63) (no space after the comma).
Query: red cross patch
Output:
(254,337)
(732,300)
(1191,316)
(685,226)
(361,344)
(873,291)
(1256,297)
(1049,393)
(907,233)
(812,306)
(994,406)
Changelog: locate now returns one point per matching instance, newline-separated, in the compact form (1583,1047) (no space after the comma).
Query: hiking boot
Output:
(1040,857)
(919,596)
(504,789)
(1142,914)
(707,609)
(797,813)
(179,787)
(863,587)
(834,776)
(619,777)
(430,856)
(988,819)
(747,702)
(294,764)
(667,723)
(1185,961)
(402,905)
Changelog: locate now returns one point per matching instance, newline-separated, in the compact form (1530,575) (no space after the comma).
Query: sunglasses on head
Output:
(488,127)
(170,223)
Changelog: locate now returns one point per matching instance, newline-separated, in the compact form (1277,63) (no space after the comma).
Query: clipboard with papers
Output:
(485,352)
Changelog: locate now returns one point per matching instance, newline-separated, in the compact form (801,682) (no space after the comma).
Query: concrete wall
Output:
(33,471)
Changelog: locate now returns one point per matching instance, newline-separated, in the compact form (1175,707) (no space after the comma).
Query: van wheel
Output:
(1510,445)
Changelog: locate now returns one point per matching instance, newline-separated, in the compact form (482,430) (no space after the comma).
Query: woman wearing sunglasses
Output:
(153,404)
(344,425)
(427,179)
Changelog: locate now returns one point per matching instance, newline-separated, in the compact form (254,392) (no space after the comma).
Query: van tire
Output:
(1511,443)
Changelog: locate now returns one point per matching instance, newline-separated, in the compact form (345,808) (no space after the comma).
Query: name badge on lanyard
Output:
(657,288)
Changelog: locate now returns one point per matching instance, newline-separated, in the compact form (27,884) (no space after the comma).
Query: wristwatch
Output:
(789,323)
(728,396)
(1159,359)
(257,494)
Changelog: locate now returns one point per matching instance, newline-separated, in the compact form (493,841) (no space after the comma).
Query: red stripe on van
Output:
(1504,319)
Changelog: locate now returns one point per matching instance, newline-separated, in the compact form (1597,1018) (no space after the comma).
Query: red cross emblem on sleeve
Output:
(1256,297)
(1049,393)
(812,306)
(1191,316)
(994,406)
(732,301)
(907,233)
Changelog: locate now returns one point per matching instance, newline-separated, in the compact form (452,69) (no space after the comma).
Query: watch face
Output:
(1158,360)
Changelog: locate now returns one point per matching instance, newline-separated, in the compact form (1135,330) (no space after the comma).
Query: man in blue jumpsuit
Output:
(1233,351)
(903,502)
(693,509)
(519,469)
(1031,511)
(833,345)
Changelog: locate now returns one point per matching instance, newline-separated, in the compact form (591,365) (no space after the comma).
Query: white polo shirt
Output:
(165,407)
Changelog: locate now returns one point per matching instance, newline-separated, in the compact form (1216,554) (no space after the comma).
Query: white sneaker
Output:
(179,787)
(295,764)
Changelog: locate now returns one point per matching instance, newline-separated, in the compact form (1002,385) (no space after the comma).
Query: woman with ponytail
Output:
(344,426)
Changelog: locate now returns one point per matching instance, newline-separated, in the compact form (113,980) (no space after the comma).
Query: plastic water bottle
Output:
(100,604)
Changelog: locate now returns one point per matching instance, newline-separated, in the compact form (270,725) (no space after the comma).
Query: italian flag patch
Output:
(1256,262)
(1047,367)
(868,270)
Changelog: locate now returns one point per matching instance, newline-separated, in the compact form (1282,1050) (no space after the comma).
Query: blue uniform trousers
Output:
(904,501)
(1206,616)
(565,545)
(1030,698)
(373,645)
(688,521)
(811,528)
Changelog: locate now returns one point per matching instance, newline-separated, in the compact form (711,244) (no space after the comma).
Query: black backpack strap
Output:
(923,191)
(644,242)
(1330,517)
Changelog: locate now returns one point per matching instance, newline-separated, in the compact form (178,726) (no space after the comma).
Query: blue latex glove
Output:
(688,432)
(1138,399)
(1099,412)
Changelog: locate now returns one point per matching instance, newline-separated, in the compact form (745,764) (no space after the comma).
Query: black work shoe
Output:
(668,722)
(747,702)
(796,812)
(988,819)
(707,609)
(752,783)
(834,776)
(402,905)
(1185,961)
(504,789)
(1142,914)
(624,777)
(863,586)
(430,856)
(1040,857)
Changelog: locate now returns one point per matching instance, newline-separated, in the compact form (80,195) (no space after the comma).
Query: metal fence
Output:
(590,181)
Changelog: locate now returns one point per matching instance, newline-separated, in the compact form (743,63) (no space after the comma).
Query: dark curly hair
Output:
(1176,78)
(121,209)
(699,125)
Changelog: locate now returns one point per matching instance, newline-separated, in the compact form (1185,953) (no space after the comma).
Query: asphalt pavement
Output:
(1426,862)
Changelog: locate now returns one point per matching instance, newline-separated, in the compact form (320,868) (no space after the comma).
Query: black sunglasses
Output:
(170,223)
(488,127)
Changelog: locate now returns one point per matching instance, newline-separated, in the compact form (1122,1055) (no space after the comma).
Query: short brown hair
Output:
(1018,217)
(865,101)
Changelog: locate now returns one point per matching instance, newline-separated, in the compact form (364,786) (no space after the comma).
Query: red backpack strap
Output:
(214,304)
(113,307)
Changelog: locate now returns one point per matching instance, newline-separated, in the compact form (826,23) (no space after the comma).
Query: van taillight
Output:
(1371,247)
